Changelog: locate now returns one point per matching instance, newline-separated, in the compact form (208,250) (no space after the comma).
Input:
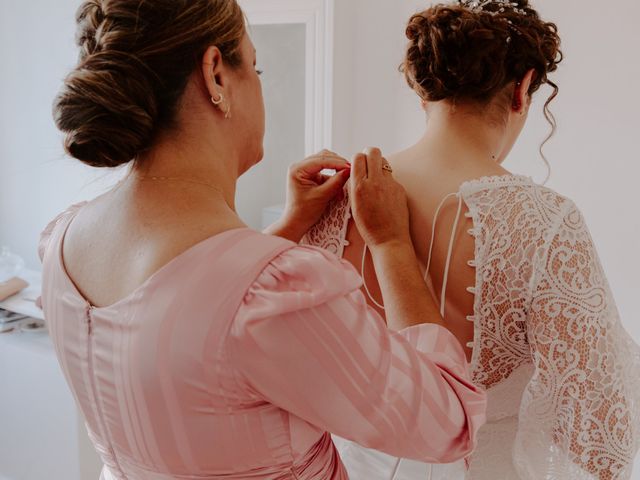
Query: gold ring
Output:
(387,168)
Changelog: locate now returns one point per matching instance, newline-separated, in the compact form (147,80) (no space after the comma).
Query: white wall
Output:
(36,181)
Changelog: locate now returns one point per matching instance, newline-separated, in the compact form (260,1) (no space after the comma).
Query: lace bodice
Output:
(561,373)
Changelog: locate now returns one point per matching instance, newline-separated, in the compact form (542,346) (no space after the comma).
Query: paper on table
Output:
(24,302)
(11,287)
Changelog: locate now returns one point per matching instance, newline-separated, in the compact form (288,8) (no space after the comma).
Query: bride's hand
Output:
(378,202)
(309,193)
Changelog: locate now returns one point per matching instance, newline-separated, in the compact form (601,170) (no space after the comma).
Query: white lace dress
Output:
(561,374)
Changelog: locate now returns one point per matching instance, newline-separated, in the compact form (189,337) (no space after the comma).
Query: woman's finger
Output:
(359,168)
(321,178)
(316,163)
(374,162)
(328,152)
(333,185)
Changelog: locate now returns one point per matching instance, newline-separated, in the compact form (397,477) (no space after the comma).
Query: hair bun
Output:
(136,60)
(107,110)
(89,18)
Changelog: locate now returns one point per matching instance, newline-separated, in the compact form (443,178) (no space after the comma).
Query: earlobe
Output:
(424,103)
(517,102)
(520,96)
(521,92)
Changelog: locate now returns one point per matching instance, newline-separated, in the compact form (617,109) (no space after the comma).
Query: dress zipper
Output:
(89,325)
(94,390)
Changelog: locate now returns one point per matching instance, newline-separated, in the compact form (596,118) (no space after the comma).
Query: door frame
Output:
(317,16)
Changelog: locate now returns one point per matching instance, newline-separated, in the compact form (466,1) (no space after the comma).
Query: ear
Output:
(521,97)
(213,72)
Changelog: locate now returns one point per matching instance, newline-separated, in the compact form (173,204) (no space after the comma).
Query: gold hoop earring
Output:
(219,101)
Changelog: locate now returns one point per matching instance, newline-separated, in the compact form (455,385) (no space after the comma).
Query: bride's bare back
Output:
(428,182)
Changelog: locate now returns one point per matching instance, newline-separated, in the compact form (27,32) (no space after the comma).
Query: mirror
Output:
(281,56)
(294,43)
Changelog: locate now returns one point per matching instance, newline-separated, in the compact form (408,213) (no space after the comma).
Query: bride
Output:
(511,262)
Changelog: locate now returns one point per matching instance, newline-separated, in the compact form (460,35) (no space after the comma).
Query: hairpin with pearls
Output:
(496,6)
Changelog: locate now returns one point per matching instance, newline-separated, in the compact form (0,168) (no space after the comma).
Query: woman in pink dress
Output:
(194,346)
(511,262)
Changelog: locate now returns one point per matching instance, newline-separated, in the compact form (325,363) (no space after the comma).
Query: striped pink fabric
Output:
(238,357)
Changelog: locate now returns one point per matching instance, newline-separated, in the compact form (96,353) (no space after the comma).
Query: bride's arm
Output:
(580,413)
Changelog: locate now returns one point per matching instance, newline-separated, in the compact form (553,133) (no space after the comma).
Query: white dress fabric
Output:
(561,374)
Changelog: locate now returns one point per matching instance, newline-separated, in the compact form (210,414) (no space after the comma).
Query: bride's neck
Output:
(461,137)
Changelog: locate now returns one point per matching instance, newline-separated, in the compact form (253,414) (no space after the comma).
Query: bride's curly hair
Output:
(465,53)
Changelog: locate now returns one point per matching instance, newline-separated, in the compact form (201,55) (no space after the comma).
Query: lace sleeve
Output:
(579,416)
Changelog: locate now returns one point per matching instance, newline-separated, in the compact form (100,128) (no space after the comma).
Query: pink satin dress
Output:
(238,358)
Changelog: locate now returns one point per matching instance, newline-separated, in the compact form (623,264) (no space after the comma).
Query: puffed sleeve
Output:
(579,416)
(305,340)
(48,230)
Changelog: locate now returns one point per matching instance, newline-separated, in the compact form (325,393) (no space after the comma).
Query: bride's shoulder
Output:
(554,205)
(515,192)
(513,203)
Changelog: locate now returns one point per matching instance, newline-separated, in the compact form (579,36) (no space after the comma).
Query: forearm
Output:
(287,230)
(407,299)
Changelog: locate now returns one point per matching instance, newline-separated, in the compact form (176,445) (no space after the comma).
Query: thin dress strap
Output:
(450,251)
(426,274)
(364,280)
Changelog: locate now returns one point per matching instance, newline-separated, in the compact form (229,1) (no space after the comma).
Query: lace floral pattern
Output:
(549,346)
(543,300)
(585,392)
(510,224)
(331,232)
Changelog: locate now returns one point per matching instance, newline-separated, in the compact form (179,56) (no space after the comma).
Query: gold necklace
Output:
(180,179)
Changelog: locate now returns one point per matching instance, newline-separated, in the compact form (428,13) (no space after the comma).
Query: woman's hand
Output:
(378,202)
(309,192)
(380,209)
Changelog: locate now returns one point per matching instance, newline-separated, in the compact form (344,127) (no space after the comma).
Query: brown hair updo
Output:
(135,61)
(463,52)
